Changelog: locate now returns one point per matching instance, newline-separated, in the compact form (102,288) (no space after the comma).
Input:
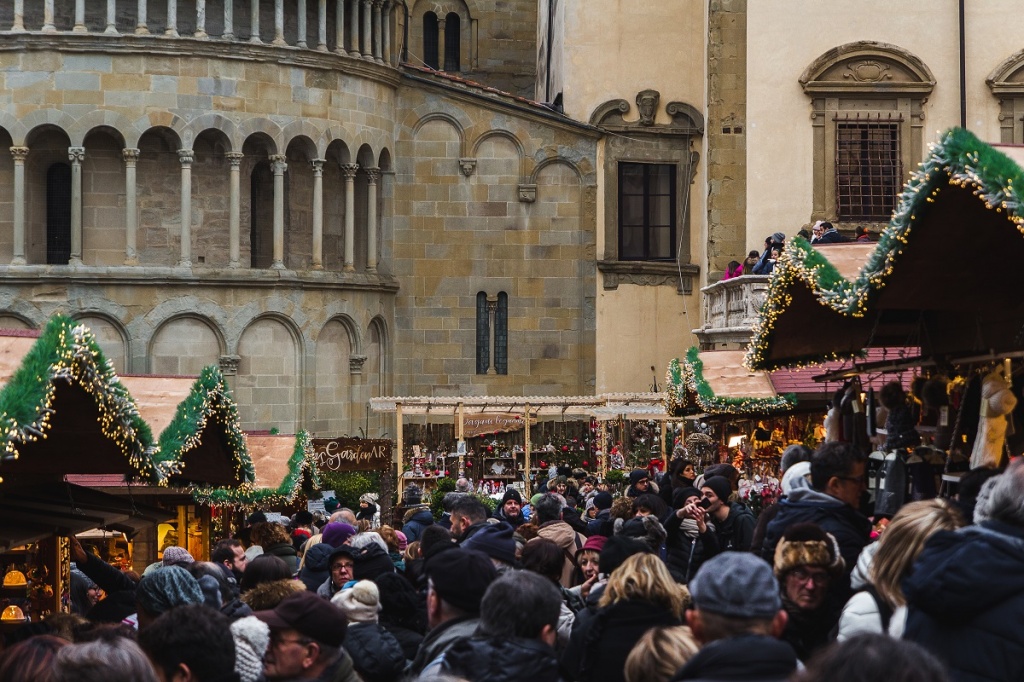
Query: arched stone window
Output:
(430,41)
(261,225)
(58,214)
(452,41)
(867,116)
(1007,85)
(483,334)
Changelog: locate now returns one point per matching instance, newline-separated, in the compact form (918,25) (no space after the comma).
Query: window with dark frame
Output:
(452,38)
(501,334)
(430,41)
(483,334)
(58,214)
(647,211)
(868,169)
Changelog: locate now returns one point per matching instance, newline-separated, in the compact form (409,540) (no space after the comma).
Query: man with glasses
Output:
(838,479)
(341,563)
(306,634)
(807,561)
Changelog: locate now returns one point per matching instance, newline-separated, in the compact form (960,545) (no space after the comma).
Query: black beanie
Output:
(511,494)
(370,562)
(617,550)
(721,486)
(461,577)
(680,495)
(603,500)
(637,475)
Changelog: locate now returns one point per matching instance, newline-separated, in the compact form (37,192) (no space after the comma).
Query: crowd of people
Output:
(673,579)
(763,263)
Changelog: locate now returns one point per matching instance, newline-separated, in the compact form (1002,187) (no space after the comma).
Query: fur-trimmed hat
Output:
(806,544)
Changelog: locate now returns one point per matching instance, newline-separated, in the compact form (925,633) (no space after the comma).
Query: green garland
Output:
(690,375)
(302,463)
(960,159)
(68,351)
(209,398)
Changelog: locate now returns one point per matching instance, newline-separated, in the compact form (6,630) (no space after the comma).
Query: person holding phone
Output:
(690,535)
(734,524)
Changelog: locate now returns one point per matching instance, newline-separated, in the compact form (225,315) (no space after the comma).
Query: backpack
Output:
(884,610)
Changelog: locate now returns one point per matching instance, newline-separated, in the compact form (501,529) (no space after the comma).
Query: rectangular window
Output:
(647,211)
(868,169)
(483,334)
(501,334)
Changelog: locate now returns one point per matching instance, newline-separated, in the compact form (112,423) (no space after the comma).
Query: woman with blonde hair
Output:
(640,595)
(881,607)
(660,653)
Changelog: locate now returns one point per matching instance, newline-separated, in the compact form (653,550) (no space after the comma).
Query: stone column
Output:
(353,25)
(141,28)
(76,155)
(301,42)
(111,17)
(186,157)
(279,166)
(372,176)
(367,38)
(19,154)
(349,170)
(79,17)
(200,18)
(234,202)
(440,43)
(254,22)
(321,25)
(48,26)
(19,17)
(377,32)
(339,26)
(172,19)
(386,33)
(318,213)
(131,212)
(229,20)
(279,23)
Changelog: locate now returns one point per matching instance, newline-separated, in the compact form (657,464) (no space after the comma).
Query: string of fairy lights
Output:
(961,160)
(689,376)
(301,464)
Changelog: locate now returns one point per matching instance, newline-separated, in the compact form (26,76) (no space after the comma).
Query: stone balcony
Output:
(730,309)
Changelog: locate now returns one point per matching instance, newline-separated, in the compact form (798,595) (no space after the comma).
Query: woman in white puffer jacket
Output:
(879,607)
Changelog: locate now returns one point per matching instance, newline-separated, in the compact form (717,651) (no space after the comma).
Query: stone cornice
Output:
(648,273)
(208,48)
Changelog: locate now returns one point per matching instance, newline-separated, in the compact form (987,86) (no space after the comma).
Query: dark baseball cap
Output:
(310,615)
(736,584)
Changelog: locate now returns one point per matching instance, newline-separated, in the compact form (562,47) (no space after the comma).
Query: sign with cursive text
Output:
(474,425)
(351,454)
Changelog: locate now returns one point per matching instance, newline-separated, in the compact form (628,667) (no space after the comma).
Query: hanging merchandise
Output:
(997,401)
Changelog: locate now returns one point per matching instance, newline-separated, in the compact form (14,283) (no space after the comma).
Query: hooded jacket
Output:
(285,551)
(316,566)
(376,654)
(266,596)
(415,521)
(851,529)
(737,530)
(568,540)
(965,598)
(501,660)
(442,638)
(753,658)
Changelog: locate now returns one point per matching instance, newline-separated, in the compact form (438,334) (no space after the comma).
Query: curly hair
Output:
(622,508)
(267,533)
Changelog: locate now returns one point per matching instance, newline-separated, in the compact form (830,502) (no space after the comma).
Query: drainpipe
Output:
(963,69)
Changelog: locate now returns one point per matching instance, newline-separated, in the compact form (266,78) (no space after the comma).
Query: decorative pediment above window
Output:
(867,67)
(686,119)
(1008,77)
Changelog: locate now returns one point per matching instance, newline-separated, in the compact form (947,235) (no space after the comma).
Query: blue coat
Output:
(965,600)
(416,523)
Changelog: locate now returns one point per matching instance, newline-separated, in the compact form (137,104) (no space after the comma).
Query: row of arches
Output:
(122,209)
(280,378)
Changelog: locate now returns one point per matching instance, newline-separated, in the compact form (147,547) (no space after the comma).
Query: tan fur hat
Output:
(806,544)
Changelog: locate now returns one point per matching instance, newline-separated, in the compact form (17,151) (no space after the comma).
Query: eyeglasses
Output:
(802,576)
(859,480)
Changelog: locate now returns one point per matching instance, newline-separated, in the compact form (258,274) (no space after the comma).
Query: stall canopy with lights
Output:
(940,277)
(716,382)
(284,467)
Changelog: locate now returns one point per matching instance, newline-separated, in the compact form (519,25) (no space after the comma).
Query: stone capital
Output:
(349,170)
(372,175)
(186,157)
(318,166)
(235,158)
(355,364)
(467,166)
(76,155)
(278,163)
(19,154)
(377,4)
(130,155)
(229,364)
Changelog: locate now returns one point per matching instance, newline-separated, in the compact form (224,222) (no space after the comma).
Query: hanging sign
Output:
(474,425)
(352,454)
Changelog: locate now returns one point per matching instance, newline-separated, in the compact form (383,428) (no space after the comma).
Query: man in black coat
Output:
(965,594)
(734,524)
(837,481)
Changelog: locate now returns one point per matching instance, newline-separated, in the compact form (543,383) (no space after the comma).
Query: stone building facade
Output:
(273,192)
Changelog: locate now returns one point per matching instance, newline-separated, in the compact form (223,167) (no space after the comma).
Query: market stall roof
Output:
(603,407)
(936,278)
(201,439)
(283,465)
(716,382)
(63,410)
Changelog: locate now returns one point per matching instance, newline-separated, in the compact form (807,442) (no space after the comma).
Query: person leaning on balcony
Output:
(749,262)
(766,263)
(734,269)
